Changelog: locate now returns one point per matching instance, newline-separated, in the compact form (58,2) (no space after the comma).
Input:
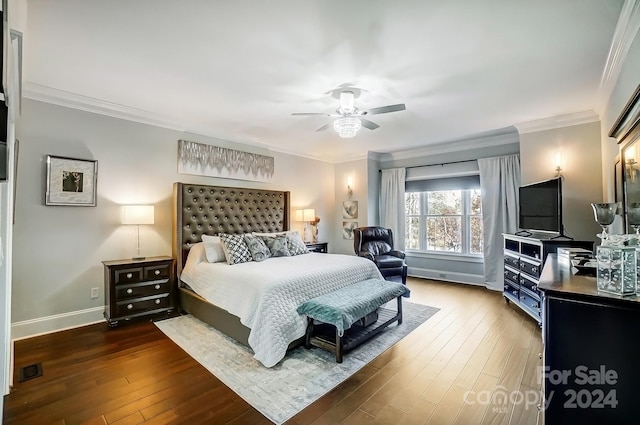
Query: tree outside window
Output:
(444,221)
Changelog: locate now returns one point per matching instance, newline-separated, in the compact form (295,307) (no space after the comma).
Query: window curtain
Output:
(392,204)
(499,183)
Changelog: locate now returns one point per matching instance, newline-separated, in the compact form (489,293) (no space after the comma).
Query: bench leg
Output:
(338,348)
(309,334)
(399,310)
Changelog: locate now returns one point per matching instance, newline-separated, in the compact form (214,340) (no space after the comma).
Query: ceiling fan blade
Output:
(311,113)
(323,128)
(384,109)
(368,124)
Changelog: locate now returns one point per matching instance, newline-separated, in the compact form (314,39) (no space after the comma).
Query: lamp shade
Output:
(307,214)
(137,214)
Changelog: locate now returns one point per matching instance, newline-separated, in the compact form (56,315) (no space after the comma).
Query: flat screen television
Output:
(541,206)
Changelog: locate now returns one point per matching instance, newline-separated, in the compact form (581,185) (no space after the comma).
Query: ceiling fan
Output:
(349,118)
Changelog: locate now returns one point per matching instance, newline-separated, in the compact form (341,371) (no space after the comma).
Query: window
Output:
(444,221)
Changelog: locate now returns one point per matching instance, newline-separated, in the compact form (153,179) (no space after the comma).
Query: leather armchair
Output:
(376,244)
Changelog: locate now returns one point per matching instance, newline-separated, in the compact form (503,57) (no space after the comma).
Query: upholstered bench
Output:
(346,306)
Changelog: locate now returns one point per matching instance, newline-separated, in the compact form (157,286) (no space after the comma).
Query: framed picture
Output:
(350,209)
(627,126)
(347,229)
(71,181)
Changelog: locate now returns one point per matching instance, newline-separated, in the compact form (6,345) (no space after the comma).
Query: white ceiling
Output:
(236,70)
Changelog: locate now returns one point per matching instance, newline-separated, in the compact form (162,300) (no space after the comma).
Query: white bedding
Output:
(265,295)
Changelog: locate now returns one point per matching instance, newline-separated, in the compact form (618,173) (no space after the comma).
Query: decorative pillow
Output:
(257,247)
(214,249)
(235,248)
(277,245)
(295,244)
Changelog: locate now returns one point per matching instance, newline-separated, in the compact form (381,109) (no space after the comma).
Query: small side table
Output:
(135,288)
(322,247)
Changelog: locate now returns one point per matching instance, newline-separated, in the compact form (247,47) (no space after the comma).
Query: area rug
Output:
(299,379)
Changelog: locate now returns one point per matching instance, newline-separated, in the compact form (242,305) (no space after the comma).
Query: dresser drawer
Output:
(124,308)
(511,275)
(129,275)
(511,289)
(160,271)
(142,290)
(530,303)
(529,283)
(512,261)
(530,268)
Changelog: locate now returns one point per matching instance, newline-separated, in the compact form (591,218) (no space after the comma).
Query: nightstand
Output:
(136,288)
(318,246)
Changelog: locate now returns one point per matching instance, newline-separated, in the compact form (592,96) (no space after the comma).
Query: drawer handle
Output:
(157,286)
(534,269)
(129,306)
(521,298)
(157,272)
(534,287)
(506,287)
(158,301)
(129,275)
(129,291)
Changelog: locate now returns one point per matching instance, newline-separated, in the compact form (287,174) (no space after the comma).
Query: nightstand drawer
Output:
(131,275)
(142,290)
(124,308)
(161,271)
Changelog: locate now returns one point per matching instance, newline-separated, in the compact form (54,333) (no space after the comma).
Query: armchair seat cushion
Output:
(385,261)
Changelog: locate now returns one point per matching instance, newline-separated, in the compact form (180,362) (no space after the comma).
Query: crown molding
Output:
(90,104)
(503,136)
(623,36)
(558,121)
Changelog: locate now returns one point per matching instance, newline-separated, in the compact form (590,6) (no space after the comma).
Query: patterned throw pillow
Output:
(235,248)
(257,247)
(295,244)
(277,245)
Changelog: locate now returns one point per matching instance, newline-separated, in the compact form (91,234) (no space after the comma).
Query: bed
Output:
(266,322)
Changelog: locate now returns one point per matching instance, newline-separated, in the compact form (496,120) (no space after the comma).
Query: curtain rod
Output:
(433,165)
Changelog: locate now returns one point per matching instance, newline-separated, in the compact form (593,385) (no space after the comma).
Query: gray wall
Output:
(579,146)
(58,250)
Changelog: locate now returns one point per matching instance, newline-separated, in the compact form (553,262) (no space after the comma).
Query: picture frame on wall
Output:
(350,209)
(347,229)
(71,181)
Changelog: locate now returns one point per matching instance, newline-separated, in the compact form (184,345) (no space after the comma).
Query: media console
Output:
(524,258)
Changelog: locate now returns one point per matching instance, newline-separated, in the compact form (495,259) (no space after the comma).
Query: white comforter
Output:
(265,295)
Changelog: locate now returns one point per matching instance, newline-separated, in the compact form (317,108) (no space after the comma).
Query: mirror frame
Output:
(626,130)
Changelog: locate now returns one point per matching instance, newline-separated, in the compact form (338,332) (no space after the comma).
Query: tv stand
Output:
(524,258)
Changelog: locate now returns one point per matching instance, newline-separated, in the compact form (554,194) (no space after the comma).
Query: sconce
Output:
(349,190)
(558,164)
(137,214)
(308,216)
(631,171)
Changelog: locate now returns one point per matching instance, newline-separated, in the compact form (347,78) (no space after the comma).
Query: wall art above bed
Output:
(214,161)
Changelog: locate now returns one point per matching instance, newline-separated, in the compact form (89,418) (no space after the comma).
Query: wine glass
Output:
(605,214)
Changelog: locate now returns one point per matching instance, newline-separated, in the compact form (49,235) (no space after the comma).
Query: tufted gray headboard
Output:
(209,210)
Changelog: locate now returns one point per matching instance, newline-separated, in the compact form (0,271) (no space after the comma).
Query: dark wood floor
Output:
(134,374)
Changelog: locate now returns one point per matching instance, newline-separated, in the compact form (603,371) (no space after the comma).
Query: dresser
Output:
(590,348)
(137,288)
(523,260)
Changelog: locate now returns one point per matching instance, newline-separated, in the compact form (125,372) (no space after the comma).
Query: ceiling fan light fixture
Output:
(347,126)
(346,102)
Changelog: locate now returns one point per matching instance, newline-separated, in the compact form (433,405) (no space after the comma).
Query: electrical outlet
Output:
(94,293)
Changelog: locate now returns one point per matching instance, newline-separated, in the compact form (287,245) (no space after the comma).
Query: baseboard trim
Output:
(56,323)
(447,276)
